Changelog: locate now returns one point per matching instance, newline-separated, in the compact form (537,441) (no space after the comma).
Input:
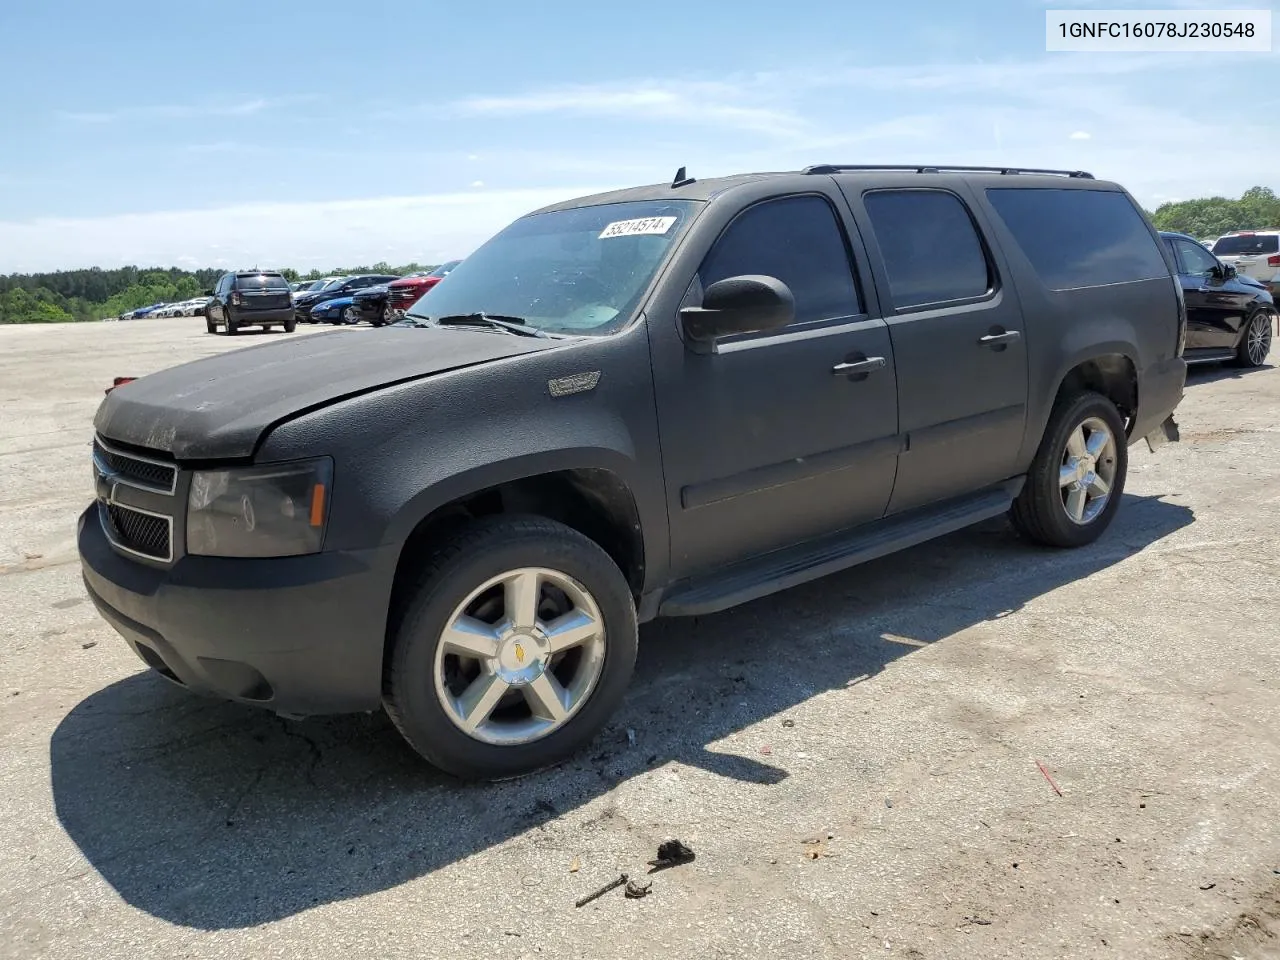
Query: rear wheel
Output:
(1075,483)
(210,326)
(1255,345)
(290,325)
(514,645)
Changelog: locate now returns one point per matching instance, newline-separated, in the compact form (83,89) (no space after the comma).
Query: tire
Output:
(1255,342)
(1040,512)
(210,326)
(422,681)
(290,325)
(232,328)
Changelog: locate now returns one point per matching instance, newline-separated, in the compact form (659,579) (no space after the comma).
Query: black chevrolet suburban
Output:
(661,401)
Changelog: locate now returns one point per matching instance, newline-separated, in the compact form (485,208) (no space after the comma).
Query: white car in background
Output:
(1254,253)
(193,307)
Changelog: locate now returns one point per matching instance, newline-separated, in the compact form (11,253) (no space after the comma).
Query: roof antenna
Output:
(682,179)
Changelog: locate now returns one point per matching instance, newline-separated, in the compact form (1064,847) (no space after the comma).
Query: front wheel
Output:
(514,646)
(232,328)
(1255,345)
(1076,480)
(290,325)
(210,326)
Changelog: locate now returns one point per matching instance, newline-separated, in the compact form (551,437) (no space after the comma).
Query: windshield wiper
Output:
(517,325)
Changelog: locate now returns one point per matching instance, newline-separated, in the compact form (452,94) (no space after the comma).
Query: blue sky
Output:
(321,133)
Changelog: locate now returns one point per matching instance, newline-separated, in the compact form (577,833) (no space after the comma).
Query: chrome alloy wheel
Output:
(1088,470)
(1259,342)
(519,656)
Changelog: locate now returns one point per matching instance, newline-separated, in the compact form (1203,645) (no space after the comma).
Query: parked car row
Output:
(266,298)
(186,308)
(374,298)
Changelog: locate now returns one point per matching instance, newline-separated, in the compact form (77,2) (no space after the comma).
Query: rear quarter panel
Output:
(1138,320)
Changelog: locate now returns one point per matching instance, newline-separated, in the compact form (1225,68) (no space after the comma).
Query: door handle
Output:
(854,367)
(992,339)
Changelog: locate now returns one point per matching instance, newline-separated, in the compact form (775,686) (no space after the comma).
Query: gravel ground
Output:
(895,715)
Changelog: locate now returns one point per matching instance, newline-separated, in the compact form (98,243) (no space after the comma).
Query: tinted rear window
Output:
(1245,245)
(931,250)
(262,282)
(1080,238)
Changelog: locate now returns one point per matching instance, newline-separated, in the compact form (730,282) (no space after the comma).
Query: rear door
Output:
(958,338)
(782,436)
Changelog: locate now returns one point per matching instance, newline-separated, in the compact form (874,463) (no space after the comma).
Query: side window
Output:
(931,248)
(1195,259)
(1079,238)
(799,241)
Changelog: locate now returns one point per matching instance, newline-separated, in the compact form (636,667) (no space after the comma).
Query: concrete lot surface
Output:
(894,714)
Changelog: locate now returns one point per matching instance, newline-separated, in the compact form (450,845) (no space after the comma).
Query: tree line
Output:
(95,293)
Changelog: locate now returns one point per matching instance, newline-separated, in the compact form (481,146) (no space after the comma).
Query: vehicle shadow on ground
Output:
(216,816)
(1214,372)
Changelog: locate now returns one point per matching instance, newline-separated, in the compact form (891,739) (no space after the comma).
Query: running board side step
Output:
(813,559)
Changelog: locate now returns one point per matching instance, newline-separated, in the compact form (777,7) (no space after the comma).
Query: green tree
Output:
(1258,208)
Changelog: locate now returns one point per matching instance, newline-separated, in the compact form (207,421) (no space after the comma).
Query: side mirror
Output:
(735,305)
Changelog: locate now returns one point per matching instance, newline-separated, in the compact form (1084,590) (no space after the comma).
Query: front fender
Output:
(404,451)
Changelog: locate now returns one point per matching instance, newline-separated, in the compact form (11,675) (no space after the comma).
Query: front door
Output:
(958,339)
(784,436)
(1215,307)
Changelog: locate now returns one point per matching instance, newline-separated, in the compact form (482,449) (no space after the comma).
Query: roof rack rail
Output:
(829,168)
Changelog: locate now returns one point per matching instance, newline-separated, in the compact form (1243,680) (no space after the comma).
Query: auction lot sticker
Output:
(645,226)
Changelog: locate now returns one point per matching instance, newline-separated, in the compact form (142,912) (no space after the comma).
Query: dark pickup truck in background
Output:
(661,401)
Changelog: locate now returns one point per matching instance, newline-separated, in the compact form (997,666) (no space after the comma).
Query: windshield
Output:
(581,270)
(443,270)
(1246,244)
(334,284)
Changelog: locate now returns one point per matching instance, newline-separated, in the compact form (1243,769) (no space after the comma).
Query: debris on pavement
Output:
(631,737)
(612,885)
(1049,778)
(575,865)
(766,750)
(788,722)
(88,644)
(1207,886)
(977,922)
(671,853)
(637,889)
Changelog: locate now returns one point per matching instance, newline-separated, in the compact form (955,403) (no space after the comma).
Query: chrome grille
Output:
(134,469)
(136,531)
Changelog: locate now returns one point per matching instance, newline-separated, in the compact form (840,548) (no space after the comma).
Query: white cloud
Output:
(722,104)
(1081,135)
(326,234)
(188,111)
(477,184)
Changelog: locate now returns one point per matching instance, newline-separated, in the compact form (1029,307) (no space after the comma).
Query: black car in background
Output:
(303,303)
(250,298)
(370,305)
(1229,315)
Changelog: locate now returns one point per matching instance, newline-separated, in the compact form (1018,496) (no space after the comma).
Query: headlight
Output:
(277,510)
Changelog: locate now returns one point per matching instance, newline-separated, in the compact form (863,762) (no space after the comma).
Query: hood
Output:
(220,407)
(413,281)
(336,303)
(377,291)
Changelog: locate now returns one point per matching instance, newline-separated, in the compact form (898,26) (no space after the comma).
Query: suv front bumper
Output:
(298,635)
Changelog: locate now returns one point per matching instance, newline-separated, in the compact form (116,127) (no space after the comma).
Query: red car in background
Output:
(404,293)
